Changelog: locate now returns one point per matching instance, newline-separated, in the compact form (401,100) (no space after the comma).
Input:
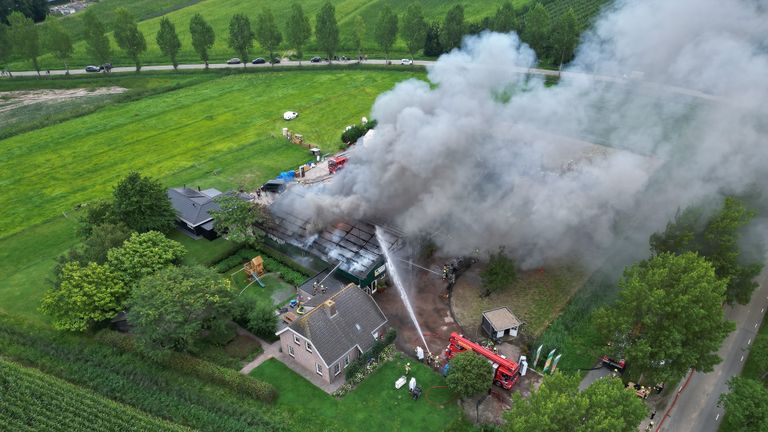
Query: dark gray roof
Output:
(193,206)
(357,317)
(331,283)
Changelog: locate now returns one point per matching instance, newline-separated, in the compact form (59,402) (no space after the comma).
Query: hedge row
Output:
(202,369)
(377,348)
(128,378)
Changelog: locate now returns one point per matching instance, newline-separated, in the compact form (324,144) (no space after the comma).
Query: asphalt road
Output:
(645,85)
(696,409)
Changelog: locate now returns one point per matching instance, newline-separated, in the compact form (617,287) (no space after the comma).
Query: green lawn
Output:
(219,12)
(374,405)
(261,295)
(219,133)
(202,251)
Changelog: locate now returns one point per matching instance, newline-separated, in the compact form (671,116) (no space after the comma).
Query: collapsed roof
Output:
(350,245)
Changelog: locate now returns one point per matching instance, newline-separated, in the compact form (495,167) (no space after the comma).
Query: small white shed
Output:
(500,322)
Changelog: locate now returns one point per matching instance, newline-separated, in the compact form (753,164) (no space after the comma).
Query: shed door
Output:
(500,334)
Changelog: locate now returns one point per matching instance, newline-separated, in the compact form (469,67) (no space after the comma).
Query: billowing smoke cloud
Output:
(664,105)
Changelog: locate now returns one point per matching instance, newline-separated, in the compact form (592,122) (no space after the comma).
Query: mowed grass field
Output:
(374,405)
(219,12)
(220,133)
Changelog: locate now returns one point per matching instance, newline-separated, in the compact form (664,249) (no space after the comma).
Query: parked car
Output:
(258,60)
(315,59)
(407,62)
(92,68)
(233,61)
(275,61)
(290,115)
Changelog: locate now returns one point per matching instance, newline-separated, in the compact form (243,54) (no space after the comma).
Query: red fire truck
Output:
(336,163)
(505,371)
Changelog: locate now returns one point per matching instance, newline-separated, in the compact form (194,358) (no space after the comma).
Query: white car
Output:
(290,115)
(407,62)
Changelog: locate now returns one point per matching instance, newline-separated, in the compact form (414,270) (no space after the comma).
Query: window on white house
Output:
(319,369)
(337,369)
(346,361)
(309,347)
(290,351)
(296,339)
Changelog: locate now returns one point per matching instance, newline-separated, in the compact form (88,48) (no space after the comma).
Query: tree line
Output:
(668,318)
(553,39)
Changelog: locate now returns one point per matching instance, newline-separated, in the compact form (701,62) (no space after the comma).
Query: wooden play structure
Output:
(254,267)
(253,270)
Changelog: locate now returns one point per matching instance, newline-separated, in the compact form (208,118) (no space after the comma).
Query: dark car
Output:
(275,61)
(315,59)
(258,60)
(234,60)
(93,68)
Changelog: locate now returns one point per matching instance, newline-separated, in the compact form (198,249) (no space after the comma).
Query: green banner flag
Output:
(549,361)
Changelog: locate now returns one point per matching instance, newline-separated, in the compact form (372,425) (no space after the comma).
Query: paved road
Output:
(646,85)
(696,409)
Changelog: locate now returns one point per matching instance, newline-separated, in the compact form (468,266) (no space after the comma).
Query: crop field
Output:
(218,133)
(29,397)
(183,390)
(219,12)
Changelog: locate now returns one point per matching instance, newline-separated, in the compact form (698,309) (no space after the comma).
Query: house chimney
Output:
(330,307)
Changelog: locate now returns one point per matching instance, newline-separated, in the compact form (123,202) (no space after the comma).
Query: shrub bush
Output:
(377,348)
(262,322)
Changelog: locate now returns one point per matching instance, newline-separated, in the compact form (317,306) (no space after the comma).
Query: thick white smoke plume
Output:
(674,94)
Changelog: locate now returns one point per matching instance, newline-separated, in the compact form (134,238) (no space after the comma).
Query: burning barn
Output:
(349,249)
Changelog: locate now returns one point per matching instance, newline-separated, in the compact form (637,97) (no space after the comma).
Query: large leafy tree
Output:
(171,309)
(358,35)
(59,42)
(469,374)
(95,37)
(96,213)
(504,21)
(33,9)
(565,35)
(758,354)
(168,40)
(237,219)
(745,405)
(101,239)
(25,38)
(298,30)
(537,28)
(203,36)
(144,254)
(668,318)
(386,30)
(267,33)
(86,295)
(241,36)
(432,46)
(142,204)
(128,36)
(327,30)
(715,237)
(414,29)
(500,273)
(6,49)
(557,405)
(453,28)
